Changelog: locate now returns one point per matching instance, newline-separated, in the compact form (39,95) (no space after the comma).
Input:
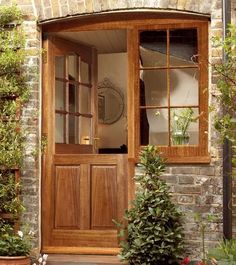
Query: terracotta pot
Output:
(22,260)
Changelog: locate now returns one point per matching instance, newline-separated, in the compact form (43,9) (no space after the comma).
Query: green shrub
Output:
(224,253)
(154,230)
(10,14)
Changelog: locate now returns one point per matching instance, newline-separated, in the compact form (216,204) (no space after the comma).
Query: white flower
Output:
(31,233)
(20,234)
(40,260)
(45,256)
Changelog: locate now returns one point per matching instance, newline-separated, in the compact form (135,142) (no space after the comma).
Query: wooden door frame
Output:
(95,22)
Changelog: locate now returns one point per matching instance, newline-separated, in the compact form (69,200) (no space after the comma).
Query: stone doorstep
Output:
(59,259)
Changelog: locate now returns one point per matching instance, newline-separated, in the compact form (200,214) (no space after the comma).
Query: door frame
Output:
(128,21)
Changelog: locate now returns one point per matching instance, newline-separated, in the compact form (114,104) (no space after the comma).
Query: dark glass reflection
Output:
(183,46)
(153,48)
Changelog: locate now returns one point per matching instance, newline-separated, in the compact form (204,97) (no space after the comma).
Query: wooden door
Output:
(82,191)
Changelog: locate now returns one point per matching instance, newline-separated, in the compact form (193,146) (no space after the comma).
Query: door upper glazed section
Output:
(74,82)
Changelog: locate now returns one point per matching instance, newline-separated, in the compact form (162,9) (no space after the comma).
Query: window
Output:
(73,118)
(167,79)
(171,80)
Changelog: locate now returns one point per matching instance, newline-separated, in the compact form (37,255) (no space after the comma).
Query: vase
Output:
(21,260)
(178,138)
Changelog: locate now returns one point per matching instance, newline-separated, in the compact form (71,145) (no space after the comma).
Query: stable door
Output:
(82,191)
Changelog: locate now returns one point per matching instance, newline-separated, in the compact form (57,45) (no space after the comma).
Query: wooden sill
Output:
(189,160)
(181,160)
(190,154)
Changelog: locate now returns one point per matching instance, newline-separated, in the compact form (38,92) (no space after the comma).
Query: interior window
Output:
(72,100)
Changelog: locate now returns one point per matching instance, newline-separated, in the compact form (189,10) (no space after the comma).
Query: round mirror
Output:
(110,102)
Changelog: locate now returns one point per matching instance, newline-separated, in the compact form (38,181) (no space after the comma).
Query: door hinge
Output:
(45,56)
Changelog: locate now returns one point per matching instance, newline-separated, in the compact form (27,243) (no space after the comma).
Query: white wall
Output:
(114,67)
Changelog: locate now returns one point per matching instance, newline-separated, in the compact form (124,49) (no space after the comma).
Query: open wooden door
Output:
(82,191)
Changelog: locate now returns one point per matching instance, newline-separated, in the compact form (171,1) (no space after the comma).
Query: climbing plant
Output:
(14,92)
(13,87)
(225,121)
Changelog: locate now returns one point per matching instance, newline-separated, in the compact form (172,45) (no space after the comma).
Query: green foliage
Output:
(13,89)
(12,142)
(181,120)
(154,230)
(203,222)
(14,244)
(224,253)
(13,94)
(9,189)
(13,85)
(10,14)
(225,122)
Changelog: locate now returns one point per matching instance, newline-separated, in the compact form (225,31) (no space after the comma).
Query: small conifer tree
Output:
(154,234)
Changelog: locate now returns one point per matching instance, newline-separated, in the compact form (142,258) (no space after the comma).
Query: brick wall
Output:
(32,120)
(196,188)
(48,9)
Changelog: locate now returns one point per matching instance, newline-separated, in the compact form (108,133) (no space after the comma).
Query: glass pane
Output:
(72,67)
(84,73)
(72,98)
(183,46)
(60,128)
(153,48)
(60,66)
(184,126)
(85,100)
(154,126)
(184,87)
(85,130)
(60,95)
(72,129)
(153,88)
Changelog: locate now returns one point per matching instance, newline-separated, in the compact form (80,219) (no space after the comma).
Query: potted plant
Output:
(180,124)
(15,246)
(154,232)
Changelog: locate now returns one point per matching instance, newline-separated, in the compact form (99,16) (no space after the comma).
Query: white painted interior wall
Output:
(114,67)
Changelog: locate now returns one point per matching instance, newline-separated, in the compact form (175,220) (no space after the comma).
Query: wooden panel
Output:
(73,149)
(69,159)
(85,238)
(103,196)
(48,131)
(84,209)
(67,186)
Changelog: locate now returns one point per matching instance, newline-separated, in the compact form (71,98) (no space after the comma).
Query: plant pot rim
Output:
(14,257)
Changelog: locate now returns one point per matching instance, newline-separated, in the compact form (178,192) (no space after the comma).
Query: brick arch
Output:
(52,9)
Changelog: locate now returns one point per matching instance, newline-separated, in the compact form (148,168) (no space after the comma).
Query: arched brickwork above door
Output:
(53,9)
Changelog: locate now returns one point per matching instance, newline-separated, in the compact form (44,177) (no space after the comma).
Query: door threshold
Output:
(81,250)
(66,259)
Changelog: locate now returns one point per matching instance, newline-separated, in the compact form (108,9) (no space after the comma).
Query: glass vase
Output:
(180,138)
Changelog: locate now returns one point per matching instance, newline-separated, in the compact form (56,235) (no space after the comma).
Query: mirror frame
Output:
(107,86)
